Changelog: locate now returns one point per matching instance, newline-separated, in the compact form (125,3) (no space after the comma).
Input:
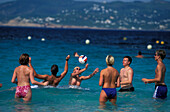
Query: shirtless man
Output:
(24,74)
(160,86)
(108,77)
(75,79)
(126,75)
(53,79)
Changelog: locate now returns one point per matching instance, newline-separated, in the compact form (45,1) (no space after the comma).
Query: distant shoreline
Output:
(53,26)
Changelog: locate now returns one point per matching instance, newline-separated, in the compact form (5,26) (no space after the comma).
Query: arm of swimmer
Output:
(130,77)
(81,71)
(157,79)
(14,77)
(35,73)
(118,81)
(35,82)
(65,69)
(91,75)
(101,78)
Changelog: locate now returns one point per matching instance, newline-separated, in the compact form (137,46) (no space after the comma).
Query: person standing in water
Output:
(108,79)
(126,75)
(76,79)
(53,79)
(24,74)
(160,86)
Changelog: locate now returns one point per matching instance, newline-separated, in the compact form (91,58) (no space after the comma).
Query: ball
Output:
(82,59)
(157,41)
(149,46)
(124,38)
(29,37)
(87,41)
(162,42)
(43,39)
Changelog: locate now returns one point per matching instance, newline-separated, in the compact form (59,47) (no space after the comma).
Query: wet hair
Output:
(110,60)
(54,69)
(161,53)
(24,59)
(140,53)
(129,59)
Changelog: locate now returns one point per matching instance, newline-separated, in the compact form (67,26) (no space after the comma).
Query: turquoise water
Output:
(54,50)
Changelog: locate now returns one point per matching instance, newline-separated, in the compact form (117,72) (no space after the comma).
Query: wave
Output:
(60,87)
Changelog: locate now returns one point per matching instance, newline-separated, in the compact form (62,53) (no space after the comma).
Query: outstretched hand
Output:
(68,57)
(46,83)
(96,70)
(86,65)
(145,80)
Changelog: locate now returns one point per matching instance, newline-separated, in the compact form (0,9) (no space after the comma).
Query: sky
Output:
(2,1)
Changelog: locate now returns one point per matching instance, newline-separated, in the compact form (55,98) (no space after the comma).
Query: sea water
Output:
(62,42)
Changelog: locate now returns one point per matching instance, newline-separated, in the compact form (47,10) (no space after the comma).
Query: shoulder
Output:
(130,69)
(121,69)
(102,71)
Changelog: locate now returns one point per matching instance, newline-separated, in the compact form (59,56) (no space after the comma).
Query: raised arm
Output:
(35,73)
(34,81)
(65,69)
(14,77)
(81,71)
(91,75)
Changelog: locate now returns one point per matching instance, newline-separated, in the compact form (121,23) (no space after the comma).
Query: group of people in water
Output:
(109,79)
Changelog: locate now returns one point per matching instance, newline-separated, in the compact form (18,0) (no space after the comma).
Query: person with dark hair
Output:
(160,86)
(76,54)
(126,75)
(139,55)
(109,80)
(53,79)
(24,74)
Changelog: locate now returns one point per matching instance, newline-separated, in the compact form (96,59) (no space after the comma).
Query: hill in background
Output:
(152,15)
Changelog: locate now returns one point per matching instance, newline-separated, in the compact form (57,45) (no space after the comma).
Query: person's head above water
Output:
(129,59)
(24,59)
(54,69)
(160,53)
(139,53)
(110,60)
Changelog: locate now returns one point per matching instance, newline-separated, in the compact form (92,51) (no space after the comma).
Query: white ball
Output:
(43,39)
(29,37)
(87,41)
(149,46)
(82,59)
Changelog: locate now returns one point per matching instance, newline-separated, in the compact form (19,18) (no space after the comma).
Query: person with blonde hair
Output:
(75,78)
(108,79)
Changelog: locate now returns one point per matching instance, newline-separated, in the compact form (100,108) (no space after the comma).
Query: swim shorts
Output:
(160,91)
(131,89)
